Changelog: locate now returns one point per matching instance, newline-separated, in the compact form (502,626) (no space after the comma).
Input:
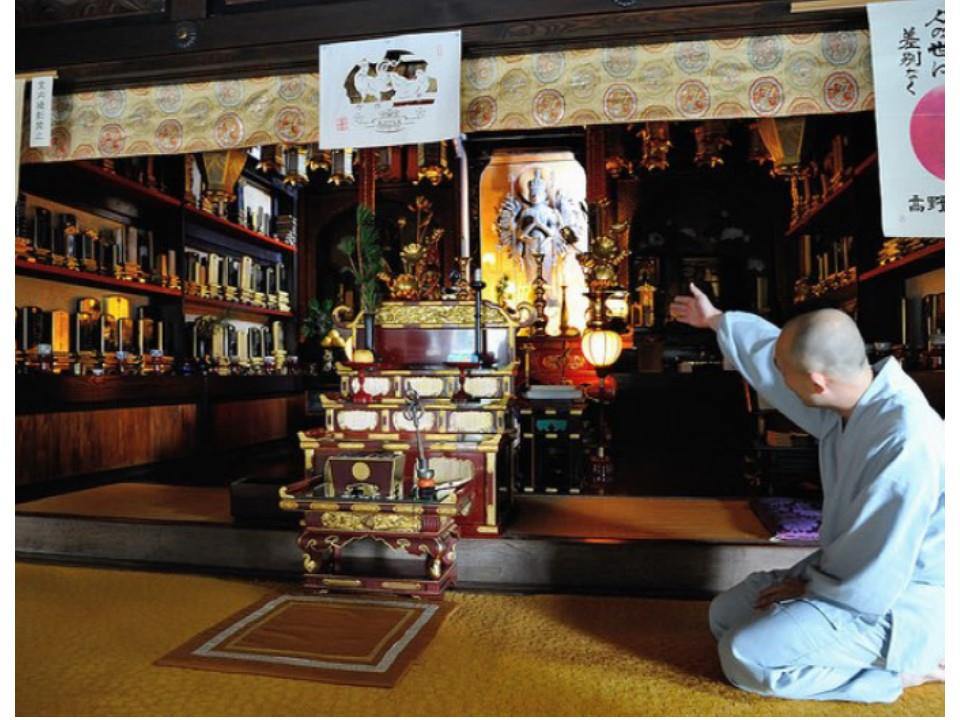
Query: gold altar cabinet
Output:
(467,429)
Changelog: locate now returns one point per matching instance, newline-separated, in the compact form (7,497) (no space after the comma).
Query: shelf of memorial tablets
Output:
(81,277)
(134,188)
(836,296)
(239,230)
(804,220)
(193,303)
(47,392)
(907,261)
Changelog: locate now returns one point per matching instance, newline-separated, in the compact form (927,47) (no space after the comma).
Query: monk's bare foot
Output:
(938,675)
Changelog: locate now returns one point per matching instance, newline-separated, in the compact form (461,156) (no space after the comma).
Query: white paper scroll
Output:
(390,91)
(41,107)
(908,44)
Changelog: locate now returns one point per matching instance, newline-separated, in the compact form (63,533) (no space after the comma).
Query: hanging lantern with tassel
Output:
(222,169)
(319,160)
(268,162)
(341,167)
(295,163)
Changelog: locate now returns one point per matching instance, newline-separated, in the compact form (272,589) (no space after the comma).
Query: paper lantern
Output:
(601,347)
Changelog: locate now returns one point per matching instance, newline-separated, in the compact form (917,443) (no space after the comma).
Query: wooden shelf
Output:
(828,201)
(86,278)
(837,296)
(192,302)
(238,230)
(904,261)
(46,392)
(131,186)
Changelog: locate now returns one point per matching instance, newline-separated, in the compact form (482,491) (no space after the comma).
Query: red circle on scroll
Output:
(927,131)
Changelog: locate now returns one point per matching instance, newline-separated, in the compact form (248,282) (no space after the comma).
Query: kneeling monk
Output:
(862,617)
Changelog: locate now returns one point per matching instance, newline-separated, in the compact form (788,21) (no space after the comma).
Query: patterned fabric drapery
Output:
(774,75)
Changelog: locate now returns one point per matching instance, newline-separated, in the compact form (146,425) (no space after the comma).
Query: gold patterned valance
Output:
(817,73)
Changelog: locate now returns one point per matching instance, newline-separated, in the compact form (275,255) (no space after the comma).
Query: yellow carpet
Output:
(139,501)
(717,520)
(86,641)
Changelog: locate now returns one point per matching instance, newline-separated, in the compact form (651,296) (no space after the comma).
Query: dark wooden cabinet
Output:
(552,453)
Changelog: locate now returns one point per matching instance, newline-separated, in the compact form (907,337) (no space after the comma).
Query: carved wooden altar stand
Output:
(468,437)
(424,529)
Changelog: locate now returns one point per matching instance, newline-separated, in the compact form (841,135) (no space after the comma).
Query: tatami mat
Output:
(626,518)
(139,501)
(587,517)
(86,641)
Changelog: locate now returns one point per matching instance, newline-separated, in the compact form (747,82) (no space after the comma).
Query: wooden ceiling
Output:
(115,43)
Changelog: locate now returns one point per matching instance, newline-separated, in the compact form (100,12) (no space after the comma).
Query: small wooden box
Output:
(373,475)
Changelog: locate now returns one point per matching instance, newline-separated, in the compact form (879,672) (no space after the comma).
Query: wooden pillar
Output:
(367,181)
(596,160)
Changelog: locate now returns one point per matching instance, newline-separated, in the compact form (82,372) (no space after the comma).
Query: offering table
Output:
(424,528)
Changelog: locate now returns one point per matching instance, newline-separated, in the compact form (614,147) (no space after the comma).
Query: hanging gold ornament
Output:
(432,163)
(711,139)
(655,145)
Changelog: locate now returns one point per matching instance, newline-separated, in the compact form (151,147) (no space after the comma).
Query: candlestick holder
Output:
(479,344)
(539,297)
(25,249)
(565,329)
(463,284)
(131,271)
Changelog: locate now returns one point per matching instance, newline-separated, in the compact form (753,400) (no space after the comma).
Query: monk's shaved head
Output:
(824,341)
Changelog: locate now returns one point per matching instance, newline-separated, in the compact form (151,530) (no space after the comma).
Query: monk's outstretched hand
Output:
(695,309)
(789,589)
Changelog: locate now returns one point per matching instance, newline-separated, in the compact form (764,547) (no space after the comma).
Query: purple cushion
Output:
(788,519)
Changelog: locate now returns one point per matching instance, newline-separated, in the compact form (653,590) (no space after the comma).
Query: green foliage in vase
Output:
(366,259)
(318,321)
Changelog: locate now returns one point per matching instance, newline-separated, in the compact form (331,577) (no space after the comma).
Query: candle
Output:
(172,262)
(464,198)
(160,336)
(277,336)
(103,334)
(120,334)
(131,245)
(903,321)
(119,247)
(140,323)
(477,275)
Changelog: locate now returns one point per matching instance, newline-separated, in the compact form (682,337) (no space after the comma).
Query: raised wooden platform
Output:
(674,546)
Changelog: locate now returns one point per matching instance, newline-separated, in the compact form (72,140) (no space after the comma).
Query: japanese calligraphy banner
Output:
(41,100)
(390,91)
(908,43)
